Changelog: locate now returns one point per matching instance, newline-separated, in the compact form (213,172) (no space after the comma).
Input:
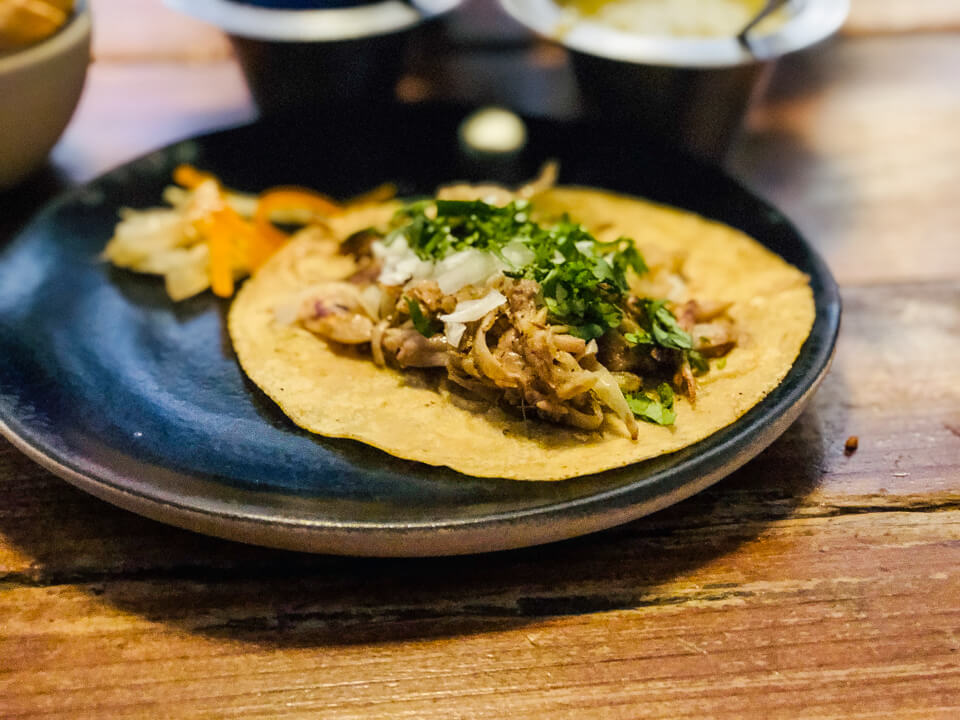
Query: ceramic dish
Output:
(40,86)
(141,402)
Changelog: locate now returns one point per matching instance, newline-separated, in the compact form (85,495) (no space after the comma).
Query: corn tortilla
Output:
(340,393)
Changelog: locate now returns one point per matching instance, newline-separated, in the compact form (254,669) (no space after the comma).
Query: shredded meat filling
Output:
(512,355)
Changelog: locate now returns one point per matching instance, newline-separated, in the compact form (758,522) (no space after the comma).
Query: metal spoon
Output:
(767,10)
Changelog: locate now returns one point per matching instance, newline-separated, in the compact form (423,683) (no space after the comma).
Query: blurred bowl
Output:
(39,89)
(295,54)
(688,90)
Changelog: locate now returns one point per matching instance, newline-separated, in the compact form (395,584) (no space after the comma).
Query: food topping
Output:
(210,237)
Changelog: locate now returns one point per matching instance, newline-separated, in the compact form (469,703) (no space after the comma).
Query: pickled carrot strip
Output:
(379,194)
(293,198)
(219,235)
(189,177)
(288,198)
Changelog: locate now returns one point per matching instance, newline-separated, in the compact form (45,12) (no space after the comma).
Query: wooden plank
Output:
(808,615)
(857,144)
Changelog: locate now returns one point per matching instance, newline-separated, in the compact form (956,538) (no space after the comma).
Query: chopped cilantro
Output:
(458,224)
(664,328)
(659,326)
(657,409)
(721,363)
(582,281)
(420,321)
(640,337)
(698,362)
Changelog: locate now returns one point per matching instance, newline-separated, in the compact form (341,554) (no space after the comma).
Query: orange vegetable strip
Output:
(253,248)
(288,198)
(221,254)
(295,197)
(379,194)
(261,248)
(189,177)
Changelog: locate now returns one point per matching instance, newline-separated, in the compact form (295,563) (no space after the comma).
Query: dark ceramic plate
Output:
(141,402)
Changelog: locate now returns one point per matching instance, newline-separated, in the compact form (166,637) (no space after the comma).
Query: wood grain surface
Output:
(812,583)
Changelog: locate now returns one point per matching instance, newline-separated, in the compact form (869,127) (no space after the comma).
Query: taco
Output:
(541,334)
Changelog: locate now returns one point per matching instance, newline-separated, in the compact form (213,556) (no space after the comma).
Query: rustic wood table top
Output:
(810,584)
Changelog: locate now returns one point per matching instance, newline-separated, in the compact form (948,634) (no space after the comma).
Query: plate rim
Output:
(752,433)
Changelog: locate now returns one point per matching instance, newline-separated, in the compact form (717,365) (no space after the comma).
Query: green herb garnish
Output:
(420,321)
(659,326)
(461,224)
(698,362)
(582,281)
(640,337)
(654,408)
(663,326)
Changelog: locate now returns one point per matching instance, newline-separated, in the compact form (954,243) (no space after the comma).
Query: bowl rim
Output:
(76,30)
(312,25)
(815,21)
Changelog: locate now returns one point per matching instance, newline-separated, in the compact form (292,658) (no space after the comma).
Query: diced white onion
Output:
(400,263)
(518,254)
(467,267)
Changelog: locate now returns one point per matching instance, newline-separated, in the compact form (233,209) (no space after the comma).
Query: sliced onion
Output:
(518,254)
(609,393)
(471,310)
(453,331)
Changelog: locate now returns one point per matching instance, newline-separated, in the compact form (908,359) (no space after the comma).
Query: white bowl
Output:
(39,89)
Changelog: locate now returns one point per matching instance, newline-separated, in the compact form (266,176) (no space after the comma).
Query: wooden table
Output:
(810,584)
